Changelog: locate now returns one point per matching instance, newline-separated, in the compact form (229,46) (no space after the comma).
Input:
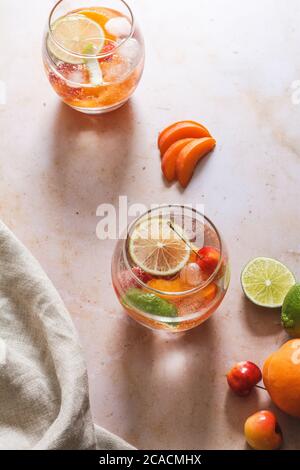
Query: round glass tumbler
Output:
(93,54)
(170,271)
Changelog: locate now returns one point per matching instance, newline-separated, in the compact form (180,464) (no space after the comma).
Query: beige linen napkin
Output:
(44,402)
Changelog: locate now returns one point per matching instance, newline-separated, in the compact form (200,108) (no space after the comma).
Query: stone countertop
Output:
(230,65)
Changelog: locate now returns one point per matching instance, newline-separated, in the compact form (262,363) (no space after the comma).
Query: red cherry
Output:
(144,277)
(127,280)
(243,377)
(208,259)
(262,431)
(107,48)
(72,72)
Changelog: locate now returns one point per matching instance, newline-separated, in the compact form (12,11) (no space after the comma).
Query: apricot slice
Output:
(195,302)
(210,292)
(180,130)
(165,285)
(189,156)
(168,164)
(161,134)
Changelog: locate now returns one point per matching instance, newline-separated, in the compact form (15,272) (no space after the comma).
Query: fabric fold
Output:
(44,400)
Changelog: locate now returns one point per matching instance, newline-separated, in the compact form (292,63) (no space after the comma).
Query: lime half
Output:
(74,33)
(266,282)
(290,314)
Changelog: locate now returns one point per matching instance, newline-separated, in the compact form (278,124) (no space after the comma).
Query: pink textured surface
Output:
(223,63)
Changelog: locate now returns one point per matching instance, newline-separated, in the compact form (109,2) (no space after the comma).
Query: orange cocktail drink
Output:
(93,54)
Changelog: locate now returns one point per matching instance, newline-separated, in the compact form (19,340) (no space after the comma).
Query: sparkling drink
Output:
(171,272)
(93,54)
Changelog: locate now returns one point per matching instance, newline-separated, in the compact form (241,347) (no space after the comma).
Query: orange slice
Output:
(100,17)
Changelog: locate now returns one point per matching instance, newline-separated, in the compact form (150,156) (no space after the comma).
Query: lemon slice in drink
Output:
(266,282)
(74,33)
(157,248)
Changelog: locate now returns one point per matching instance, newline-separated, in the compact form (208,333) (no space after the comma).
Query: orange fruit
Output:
(281,376)
(100,16)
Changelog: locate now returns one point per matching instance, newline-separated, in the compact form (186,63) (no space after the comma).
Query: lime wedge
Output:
(74,33)
(149,303)
(266,282)
(157,248)
(93,66)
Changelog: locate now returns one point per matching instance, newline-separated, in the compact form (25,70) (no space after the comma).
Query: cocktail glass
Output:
(170,271)
(93,54)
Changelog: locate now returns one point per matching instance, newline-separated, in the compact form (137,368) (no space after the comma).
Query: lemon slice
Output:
(74,33)
(157,248)
(266,282)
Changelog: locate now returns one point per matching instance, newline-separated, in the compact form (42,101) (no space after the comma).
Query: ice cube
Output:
(130,51)
(76,76)
(116,70)
(119,27)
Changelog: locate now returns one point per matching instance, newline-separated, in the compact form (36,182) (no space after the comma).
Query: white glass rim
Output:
(94,56)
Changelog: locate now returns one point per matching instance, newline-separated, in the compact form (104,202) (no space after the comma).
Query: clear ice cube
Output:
(130,51)
(119,27)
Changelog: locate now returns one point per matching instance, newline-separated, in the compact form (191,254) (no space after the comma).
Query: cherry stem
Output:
(183,239)
(259,386)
